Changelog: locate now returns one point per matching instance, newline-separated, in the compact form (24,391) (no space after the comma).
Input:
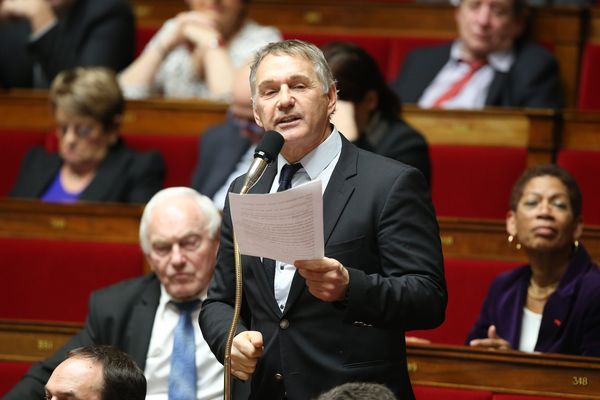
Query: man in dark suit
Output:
(40,38)
(179,236)
(310,326)
(490,64)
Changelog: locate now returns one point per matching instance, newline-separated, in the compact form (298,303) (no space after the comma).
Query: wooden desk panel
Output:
(505,371)
(581,131)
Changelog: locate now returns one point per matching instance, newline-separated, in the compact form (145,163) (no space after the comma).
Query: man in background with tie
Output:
(308,327)
(153,317)
(491,63)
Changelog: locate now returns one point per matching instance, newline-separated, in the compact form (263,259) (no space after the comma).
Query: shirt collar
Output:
(319,158)
(498,60)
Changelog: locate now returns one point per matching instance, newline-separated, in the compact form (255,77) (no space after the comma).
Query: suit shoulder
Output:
(129,288)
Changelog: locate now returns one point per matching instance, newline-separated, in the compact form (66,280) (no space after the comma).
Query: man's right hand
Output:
(247,348)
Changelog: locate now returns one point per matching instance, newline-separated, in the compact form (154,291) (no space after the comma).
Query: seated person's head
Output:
(240,109)
(97,373)
(360,81)
(487,26)
(179,234)
(227,15)
(358,391)
(87,105)
(545,210)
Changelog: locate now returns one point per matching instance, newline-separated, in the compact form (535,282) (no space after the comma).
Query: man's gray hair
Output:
(294,47)
(205,206)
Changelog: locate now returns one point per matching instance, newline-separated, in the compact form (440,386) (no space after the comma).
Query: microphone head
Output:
(269,146)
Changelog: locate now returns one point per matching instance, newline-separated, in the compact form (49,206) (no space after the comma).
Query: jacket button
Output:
(284,324)
(278,377)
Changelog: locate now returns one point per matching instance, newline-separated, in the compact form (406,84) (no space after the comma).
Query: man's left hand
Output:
(326,278)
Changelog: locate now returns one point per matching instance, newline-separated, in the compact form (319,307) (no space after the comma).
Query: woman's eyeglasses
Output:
(82,131)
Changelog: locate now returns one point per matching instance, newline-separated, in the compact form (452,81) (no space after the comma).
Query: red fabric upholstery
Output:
(474,181)
(13,147)
(437,393)
(10,373)
(376,46)
(468,282)
(179,152)
(585,168)
(523,397)
(589,80)
(143,34)
(52,279)
(401,46)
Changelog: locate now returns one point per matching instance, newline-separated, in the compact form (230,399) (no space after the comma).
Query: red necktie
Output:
(459,84)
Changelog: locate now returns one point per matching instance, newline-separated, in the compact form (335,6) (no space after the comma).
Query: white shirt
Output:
(475,91)
(318,164)
(530,329)
(158,361)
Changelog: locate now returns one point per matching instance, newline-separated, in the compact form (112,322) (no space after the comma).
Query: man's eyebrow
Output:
(69,393)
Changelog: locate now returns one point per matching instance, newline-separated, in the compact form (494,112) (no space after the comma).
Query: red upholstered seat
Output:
(52,279)
(585,168)
(180,153)
(437,393)
(143,34)
(499,396)
(401,46)
(376,46)
(468,282)
(589,79)
(10,373)
(13,147)
(474,181)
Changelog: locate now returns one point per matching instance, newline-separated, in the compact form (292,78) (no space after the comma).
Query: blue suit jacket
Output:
(571,317)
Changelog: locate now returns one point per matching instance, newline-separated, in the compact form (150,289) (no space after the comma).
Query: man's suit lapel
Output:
(140,326)
(336,196)
(497,87)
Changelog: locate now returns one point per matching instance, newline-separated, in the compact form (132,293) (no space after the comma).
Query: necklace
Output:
(539,293)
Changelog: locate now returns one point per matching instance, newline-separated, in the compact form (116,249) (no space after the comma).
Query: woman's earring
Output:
(511,238)
(576,243)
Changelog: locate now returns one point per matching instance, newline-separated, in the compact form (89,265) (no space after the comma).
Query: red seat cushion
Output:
(523,397)
(180,153)
(468,282)
(13,147)
(474,181)
(589,79)
(143,34)
(10,373)
(585,168)
(52,279)
(437,393)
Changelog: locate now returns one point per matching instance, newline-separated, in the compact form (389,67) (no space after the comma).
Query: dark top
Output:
(91,33)
(125,175)
(571,317)
(532,81)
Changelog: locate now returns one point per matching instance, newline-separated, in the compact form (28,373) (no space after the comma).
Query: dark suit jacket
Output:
(403,143)
(124,176)
(220,149)
(571,317)
(92,32)
(121,315)
(379,223)
(533,80)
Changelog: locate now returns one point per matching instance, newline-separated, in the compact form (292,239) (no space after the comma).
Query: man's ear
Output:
(257,116)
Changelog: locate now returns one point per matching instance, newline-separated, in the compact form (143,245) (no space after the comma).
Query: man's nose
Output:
(285,97)
(177,257)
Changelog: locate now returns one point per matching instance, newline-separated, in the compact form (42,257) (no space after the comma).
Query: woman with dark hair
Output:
(368,112)
(551,305)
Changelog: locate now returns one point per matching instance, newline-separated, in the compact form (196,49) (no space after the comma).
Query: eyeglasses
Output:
(187,244)
(82,131)
(243,123)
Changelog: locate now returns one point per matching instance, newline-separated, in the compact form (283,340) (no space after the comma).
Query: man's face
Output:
(76,379)
(487,26)
(182,254)
(290,100)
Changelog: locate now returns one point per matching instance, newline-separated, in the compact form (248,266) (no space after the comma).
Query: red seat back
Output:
(399,49)
(589,79)
(440,393)
(474,181)
(13,147)
(468,282)
(501,396)
(10,373)
(585,168)
(52,279)
(143,34)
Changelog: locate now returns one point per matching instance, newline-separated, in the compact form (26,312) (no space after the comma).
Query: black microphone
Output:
(266,151)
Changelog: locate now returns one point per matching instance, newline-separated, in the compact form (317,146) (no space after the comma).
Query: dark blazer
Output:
(123,176)
(379,223)
(121,315)
(403,143)
(571,317)
(92,32)
(220,149)
(533,80)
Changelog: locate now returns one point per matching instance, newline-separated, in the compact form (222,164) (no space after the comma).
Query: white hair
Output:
(205,206)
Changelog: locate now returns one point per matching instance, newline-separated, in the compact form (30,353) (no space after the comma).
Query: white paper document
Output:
(285,226)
